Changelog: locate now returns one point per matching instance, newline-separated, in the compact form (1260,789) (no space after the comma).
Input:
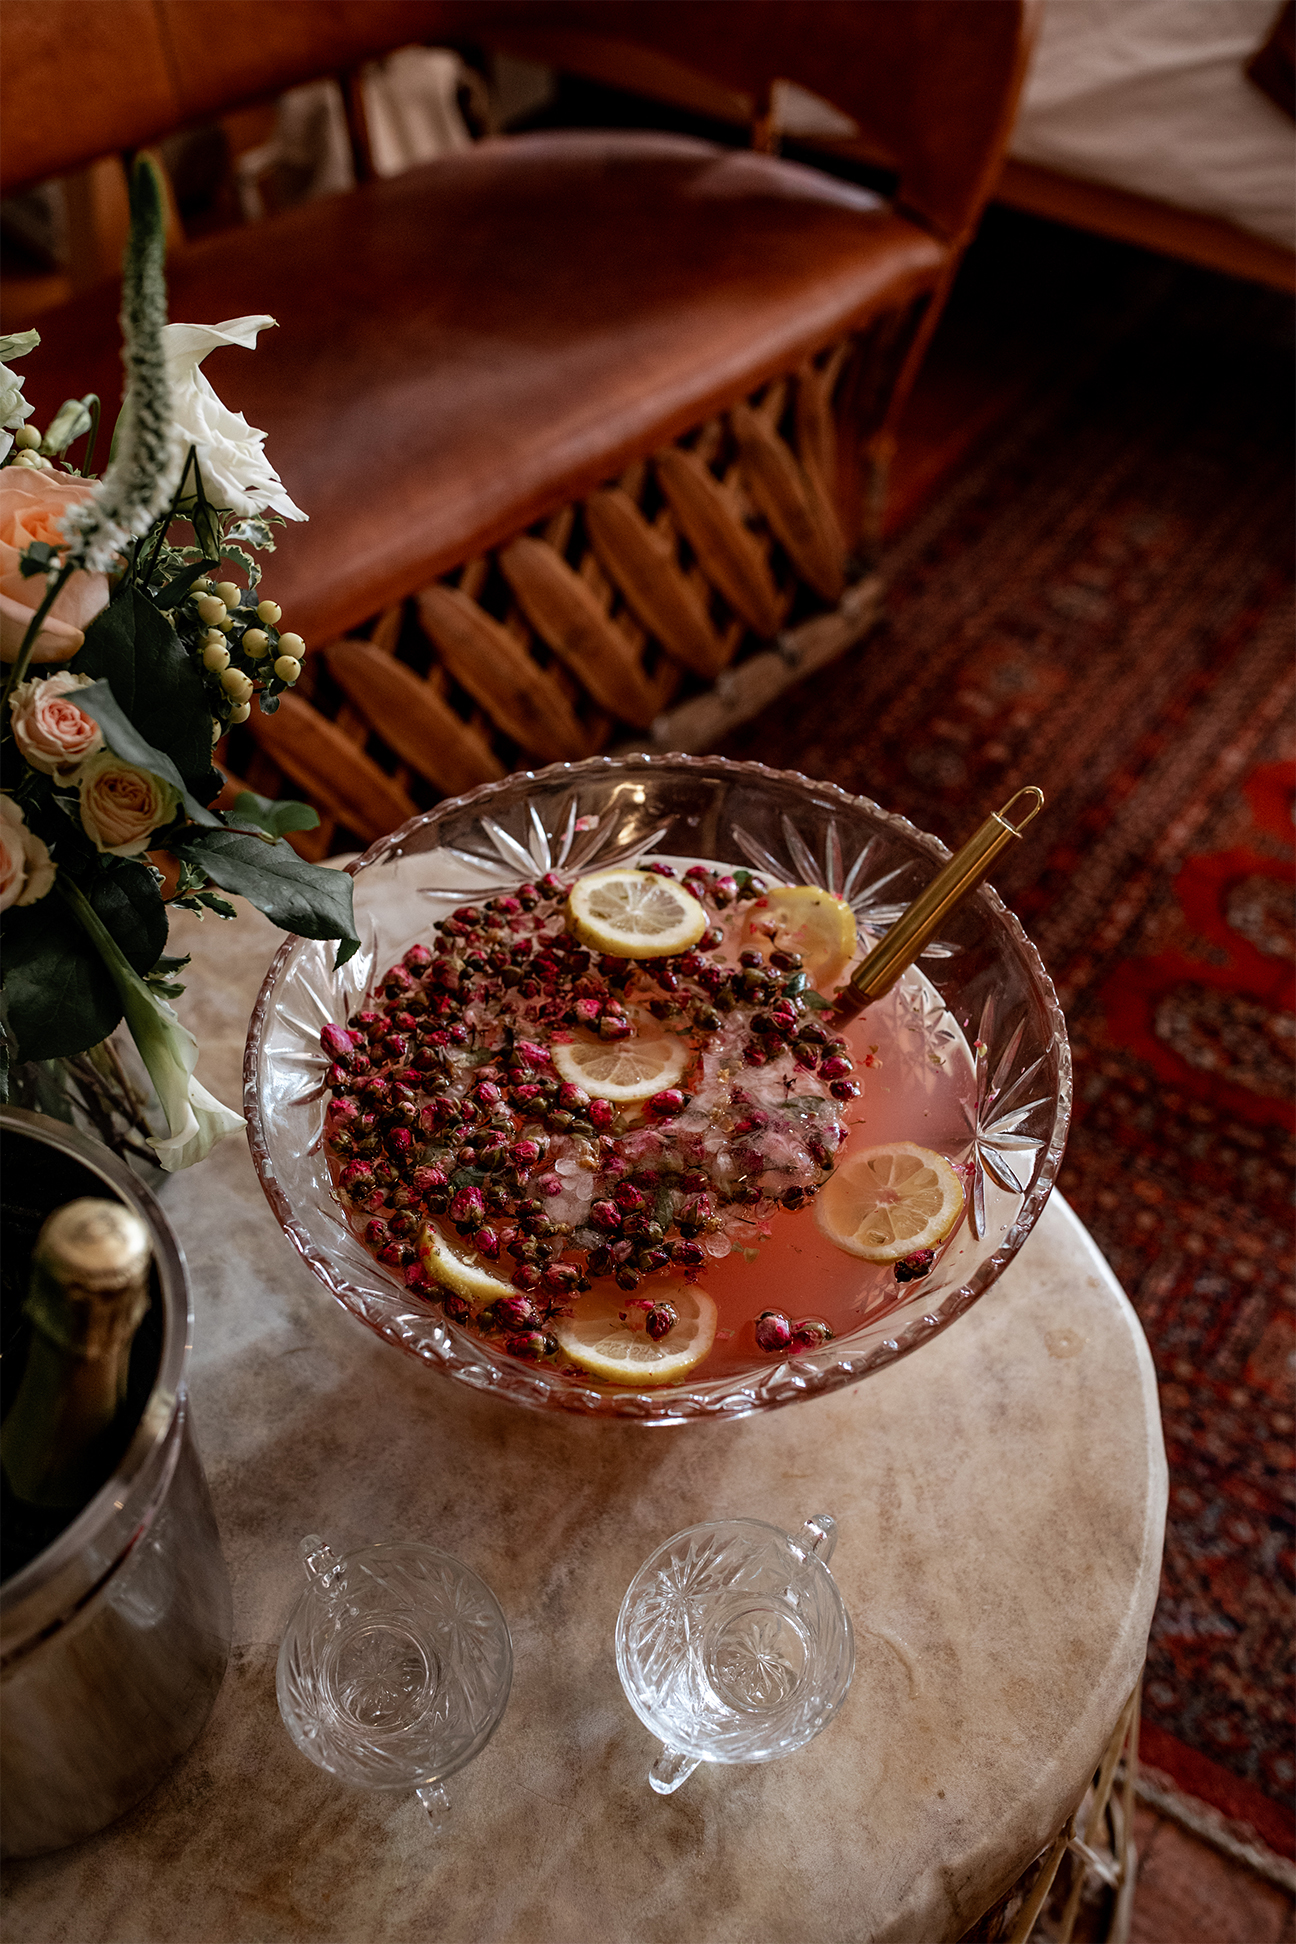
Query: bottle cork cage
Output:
(667,606)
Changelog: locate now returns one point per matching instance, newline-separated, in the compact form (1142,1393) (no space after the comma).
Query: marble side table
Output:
(1000,1499)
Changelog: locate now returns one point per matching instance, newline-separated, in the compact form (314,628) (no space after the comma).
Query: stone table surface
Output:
(1000,1499)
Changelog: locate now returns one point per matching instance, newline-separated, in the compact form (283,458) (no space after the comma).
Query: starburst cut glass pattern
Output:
(996,1115)
(872,899)
(733,1643)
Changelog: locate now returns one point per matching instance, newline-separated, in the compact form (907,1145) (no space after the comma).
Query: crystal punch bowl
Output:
(979,988)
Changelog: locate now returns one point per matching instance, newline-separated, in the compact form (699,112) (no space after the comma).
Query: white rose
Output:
(14,409)
(237,476)
(26,870)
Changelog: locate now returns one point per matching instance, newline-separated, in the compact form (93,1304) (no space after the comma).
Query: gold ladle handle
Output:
(899,947)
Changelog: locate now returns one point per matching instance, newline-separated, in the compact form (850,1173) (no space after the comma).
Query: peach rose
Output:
(122,805)
(32,503)
(26,870)
(52,733)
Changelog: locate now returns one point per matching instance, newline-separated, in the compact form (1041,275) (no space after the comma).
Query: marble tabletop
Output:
(1000,1499)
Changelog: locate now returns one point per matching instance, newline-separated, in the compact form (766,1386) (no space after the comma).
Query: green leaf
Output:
(253,529)
(298,897)
(72,419)
(59,997)
(125,741)
(154,681)
(221,906)
(17,344)
(172,595)
(165,966)
(37,559)
(230,550)
(276,817)
(129,903)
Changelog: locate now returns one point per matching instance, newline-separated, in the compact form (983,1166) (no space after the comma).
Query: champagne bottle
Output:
(68,1424)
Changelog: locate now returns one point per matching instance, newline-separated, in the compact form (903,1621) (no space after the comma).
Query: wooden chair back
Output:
(930,86)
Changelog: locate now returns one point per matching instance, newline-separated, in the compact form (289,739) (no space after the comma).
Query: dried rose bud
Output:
(526,1276)
(375,1233)
(811,1334)
(606,1214)
(525,1153)
(553,884)
(629,1198)
(339,1044)
(627,1278)
(912,1268)
(467,1204)
(661,1320)
(550,1185)
(487,1093)
(724,889)
(572,1097)
(530,1344)
(515,1313)
(806,1055)
(689,1255)
(488,1243)
(336,1076)
(773,1331)
(667,1103)
(396,1255)
(559,1278)
(845,1089)
(416,1279)
(836,1067)
(602,1114)
(397,981)
(752,1121)
(417,958)
(357,1178)
(614,1026)
(587,1011)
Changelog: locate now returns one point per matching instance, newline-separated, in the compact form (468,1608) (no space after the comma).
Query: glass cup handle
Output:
(437,1803)
(671,1769)
(819,1535)
(323,1568)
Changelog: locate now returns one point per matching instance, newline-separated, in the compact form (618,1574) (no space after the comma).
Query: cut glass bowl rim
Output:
(425,1333)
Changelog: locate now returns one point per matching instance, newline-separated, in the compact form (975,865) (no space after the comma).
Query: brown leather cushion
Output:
(467,346)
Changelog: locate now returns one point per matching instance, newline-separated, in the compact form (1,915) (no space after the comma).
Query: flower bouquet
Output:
(126,654)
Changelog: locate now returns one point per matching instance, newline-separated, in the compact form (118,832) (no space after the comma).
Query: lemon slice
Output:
(622,1352)
(459,1269)
(888,1201)
(624,1071)
(634,914)
(802,918)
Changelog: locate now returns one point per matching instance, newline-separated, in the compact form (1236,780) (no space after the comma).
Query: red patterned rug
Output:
(1102,603)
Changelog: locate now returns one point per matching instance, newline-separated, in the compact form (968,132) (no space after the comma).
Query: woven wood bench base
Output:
(660,611)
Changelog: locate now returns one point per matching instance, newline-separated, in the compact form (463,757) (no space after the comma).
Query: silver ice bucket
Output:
(114,1639)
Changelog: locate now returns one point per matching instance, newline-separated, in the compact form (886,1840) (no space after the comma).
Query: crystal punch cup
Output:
(395,1667)
(734,1645)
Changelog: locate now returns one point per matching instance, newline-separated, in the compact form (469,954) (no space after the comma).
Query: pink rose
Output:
(26,872)
(122,805)
(32,502)
(52,733)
